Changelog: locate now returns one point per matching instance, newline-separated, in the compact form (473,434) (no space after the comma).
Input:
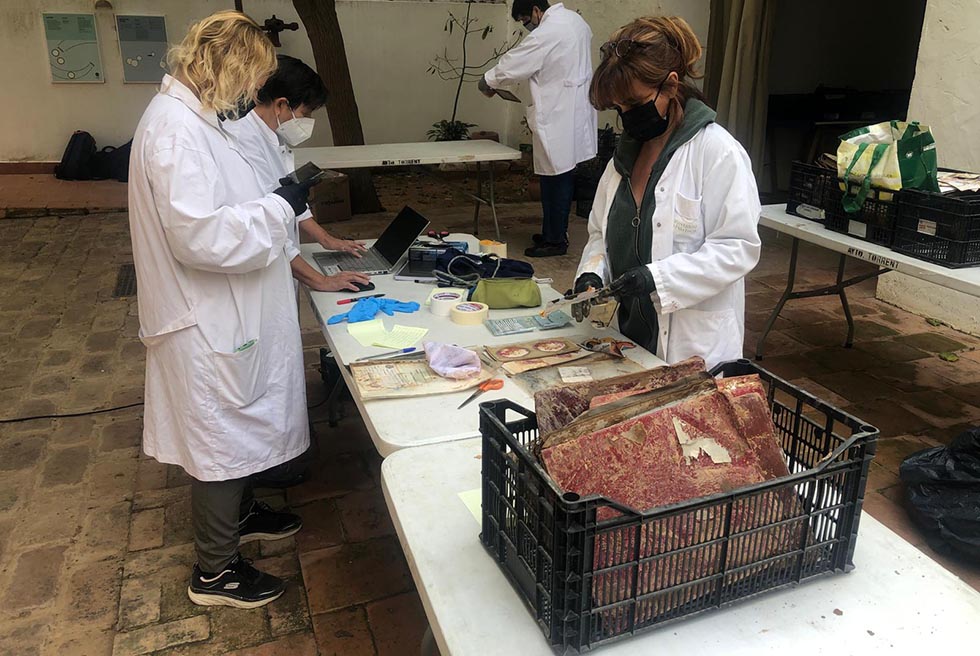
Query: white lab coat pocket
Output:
(240,377)
(688,226)
(715,336)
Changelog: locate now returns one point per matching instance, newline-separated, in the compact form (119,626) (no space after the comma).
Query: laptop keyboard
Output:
(333,263)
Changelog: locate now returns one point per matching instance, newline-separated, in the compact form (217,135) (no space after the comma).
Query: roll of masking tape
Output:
(470,314)
(442,303)
(494,247)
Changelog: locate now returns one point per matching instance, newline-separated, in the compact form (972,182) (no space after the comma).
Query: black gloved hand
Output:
(297,195)
(635,282)
(585,282)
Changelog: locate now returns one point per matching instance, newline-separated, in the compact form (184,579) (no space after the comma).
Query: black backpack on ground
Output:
(112,163)
(77,160)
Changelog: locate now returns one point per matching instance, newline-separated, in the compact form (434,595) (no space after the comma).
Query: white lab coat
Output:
(271,160)
(557,59)
(705,241)
(212,277)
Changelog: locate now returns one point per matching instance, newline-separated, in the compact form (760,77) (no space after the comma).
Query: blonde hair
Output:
(225,58)
(647,51)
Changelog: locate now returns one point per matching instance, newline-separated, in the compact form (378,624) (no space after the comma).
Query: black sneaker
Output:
(546,250)
(263,523)
(239,585)
(537,239)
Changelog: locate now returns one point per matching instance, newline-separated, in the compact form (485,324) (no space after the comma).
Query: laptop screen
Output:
(400,234)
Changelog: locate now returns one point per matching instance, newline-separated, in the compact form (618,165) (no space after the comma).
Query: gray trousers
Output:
(216,507)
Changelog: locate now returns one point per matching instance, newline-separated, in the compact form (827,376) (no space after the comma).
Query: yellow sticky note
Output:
(473,499)
(401,337)
(367,332)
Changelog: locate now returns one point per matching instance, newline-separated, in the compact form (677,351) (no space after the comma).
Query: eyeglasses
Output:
(622,48)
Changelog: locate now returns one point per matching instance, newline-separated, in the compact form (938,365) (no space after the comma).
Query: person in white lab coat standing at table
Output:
(280,121)
(556,58)
(674,226)
(225,385)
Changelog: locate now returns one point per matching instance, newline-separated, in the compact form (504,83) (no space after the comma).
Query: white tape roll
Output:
(470,314)
(442,303)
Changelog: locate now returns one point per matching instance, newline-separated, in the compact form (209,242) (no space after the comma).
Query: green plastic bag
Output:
(507,293)
(893,155)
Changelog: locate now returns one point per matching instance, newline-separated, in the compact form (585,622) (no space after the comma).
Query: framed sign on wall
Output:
(73,48)
(143,47)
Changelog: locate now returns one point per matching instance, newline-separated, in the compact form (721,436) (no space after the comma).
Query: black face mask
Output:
(644,122)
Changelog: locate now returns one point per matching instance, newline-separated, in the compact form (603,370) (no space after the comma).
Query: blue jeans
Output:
(557,192)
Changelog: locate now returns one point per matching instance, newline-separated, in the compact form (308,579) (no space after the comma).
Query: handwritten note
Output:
(400,337)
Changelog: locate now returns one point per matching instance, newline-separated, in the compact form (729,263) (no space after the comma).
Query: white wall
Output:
(389,46)
(946,96)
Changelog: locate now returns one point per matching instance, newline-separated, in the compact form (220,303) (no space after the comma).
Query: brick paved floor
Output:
(95,543)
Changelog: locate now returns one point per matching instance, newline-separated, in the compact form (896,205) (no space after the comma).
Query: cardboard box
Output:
(330,200)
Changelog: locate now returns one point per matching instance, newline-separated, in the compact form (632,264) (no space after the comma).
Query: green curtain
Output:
(737,70)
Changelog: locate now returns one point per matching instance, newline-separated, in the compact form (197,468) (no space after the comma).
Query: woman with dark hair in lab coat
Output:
(674,228)
(225,382)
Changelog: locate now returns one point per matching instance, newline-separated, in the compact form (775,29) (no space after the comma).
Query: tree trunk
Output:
(323,28)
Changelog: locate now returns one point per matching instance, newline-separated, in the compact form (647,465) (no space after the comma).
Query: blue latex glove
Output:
(364,310)
(390,306)
(367,308)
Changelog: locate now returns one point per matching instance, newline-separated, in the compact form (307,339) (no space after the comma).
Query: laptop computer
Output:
(382,258)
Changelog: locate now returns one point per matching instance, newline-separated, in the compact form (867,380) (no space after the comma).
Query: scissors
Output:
(492,384)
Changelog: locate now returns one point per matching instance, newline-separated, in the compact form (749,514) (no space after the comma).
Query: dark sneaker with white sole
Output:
(263,523)
(238,585)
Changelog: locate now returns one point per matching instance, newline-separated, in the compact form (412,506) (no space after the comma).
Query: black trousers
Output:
(557,193)
(216,507)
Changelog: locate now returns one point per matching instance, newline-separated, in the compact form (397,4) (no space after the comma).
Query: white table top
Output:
(400,423)
(963,280)
(406,154)
(896,601)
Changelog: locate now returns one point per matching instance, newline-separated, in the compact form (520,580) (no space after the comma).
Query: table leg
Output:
(787,295)
(479,195)
(843,301)
(493,200)
(429,647)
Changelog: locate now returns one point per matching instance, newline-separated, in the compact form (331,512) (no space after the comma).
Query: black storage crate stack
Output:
(874,222)
(940,228)
(589,581)
(809,187)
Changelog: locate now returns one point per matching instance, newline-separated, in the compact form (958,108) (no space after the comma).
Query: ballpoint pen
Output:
(403,351)
(355,300)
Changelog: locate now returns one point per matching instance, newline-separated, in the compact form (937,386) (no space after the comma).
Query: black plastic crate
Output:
(874,222)
(590,581)
(808,189)
(940,228)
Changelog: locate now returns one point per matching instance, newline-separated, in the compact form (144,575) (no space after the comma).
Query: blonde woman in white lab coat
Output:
(555,58)
(225,385)
(674,227)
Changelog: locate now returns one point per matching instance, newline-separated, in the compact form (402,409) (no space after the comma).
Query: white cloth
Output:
(212,279)
(452,361)
(556,58)
(271,160)
(705,241)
